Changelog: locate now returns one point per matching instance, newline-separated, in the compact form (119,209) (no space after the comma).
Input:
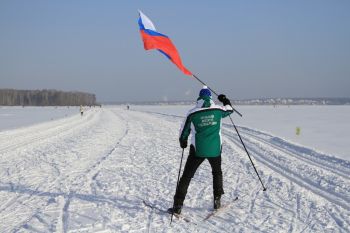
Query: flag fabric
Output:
(155,40)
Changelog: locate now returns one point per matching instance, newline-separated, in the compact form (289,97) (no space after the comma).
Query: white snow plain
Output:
(92,174)
(325,128)
(15,117)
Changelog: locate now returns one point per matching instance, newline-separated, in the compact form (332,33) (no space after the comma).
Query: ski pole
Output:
(177,184)
(240,138)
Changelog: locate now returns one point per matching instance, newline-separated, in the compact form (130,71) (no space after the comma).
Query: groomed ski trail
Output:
(92,173)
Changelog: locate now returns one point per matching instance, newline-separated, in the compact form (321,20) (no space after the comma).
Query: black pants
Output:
(191,166)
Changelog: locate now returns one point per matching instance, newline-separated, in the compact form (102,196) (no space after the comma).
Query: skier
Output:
(204,122)
(81,110)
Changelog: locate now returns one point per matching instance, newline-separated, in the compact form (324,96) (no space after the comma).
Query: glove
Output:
(223,99)
(183,144)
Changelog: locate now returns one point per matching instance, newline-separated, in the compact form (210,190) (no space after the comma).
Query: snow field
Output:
(92,173)
(322,128)
(12,117)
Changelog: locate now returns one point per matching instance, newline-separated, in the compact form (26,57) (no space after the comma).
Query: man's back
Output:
(205,124)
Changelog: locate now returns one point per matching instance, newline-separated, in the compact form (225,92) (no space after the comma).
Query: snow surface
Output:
(323,128)
(14,117)
(92,173)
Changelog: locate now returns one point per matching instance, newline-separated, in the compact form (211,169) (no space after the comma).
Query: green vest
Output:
(205,125)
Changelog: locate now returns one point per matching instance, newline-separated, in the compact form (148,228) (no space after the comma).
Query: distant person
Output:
(127,107)
(204,122)
(81,110)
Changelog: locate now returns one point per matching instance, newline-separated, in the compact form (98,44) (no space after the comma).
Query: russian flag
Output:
(155,40)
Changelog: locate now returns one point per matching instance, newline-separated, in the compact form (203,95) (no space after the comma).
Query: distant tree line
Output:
(11,97)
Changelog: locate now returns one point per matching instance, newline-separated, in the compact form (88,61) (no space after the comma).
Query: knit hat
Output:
(205,92)
(204,100)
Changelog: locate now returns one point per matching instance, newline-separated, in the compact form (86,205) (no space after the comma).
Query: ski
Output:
(160,210)
(223,208)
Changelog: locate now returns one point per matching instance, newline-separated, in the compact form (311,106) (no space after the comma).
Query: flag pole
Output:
(240,138)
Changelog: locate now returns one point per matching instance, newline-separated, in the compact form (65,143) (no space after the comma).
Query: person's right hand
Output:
(223,99)
(183,144)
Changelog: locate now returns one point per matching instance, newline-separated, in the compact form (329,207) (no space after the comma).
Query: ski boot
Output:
(175,210)
(217,202)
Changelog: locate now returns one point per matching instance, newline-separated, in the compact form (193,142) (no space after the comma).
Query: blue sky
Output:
(246,49)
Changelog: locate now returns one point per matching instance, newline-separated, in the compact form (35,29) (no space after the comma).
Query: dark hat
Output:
(205,92)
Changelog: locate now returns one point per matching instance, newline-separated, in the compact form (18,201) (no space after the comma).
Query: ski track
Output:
(92,173)
(277,163)
(340,167)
